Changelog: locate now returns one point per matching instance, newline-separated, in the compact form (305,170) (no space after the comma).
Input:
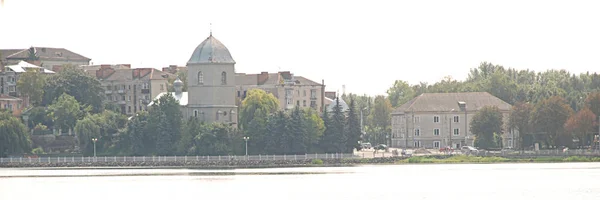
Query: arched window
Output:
(195,113)
(200,78)
(218,113)
(224,78)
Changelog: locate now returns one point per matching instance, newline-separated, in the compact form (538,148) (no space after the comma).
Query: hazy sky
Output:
(365,45)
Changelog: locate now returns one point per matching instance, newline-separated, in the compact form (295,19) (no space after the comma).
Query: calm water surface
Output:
(443,182)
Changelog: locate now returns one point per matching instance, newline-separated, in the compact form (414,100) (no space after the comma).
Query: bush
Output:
(317,161)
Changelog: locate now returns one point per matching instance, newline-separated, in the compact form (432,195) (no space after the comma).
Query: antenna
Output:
(211,29)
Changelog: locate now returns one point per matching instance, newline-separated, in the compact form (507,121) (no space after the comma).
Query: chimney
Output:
(262,78)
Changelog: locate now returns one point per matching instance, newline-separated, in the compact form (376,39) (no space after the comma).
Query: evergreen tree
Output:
(352,128)
(275,129)
(287,136)
(298,129)
(164,143)
(327,142)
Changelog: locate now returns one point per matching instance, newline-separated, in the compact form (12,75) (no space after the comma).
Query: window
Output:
(224,78)
(218,112)
(417,132)
(298,103)
(144,86)
(436,144)
(11,89)
(417,144)
(140,108)
(313,93)
(200,78)
(129,87)
(128,109)
(122,98)
(456,131)
(129,98)
(456,119)
(436,131)
(304,92)
(304,102)
(436,119)
(147,97)
(313,104)
(195,113)
(417,119)
(239,93)
(288,101)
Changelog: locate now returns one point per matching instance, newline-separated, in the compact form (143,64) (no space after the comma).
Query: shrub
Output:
(317,161)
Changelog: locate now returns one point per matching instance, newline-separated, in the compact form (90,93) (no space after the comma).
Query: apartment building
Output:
(45,57)
(290,90)
(130,89)
(12,104)
(435,120)
(10,75)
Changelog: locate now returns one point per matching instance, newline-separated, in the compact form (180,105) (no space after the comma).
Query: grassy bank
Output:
(475,159)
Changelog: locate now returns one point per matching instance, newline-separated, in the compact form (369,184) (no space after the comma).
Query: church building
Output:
(211,84)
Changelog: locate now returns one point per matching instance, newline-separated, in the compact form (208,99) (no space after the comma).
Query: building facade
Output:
(291,91)
(436,120)
(130,89)
(12,104)
(10,75)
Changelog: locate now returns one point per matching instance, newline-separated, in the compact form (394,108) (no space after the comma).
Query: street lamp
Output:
(246,138)
(94,140)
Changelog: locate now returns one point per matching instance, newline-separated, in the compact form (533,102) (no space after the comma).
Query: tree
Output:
(593,102)
(31,84)
(254,112)
(487,125)
(581,125)
(549,117)
(314,127)
(87,129)
(335,138)
(102,126)
(380,119)
(276,127)
(77,83)
(164,139)
(166,120)
(400,93)
(13,135)
(519,119)
(65,111)
(297,128)
(353,131)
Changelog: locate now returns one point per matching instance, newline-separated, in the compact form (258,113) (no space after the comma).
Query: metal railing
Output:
(73,159)
(546,152)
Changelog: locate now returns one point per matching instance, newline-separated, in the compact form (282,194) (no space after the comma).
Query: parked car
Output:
(366,145)
(469,150)
(381,147)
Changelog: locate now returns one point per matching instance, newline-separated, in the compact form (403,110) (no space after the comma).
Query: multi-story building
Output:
(12,104)
(435,120)
(45,57)
(10,75)
(130,89)
(290,90)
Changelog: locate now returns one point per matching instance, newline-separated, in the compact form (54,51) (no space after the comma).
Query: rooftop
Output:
(43,53)
(445,102)
(211,50)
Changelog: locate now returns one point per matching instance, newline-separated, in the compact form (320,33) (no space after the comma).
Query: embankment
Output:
(209,164)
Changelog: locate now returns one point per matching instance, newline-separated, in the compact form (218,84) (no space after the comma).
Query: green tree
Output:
(14,138)
(87,129)
(380,119)
(400,93)
(487,125)
(216,141)
(314,127)
(581,125)
(276,127)
(65,112)
(254,113)
(31,84)
(519,119)
(75,82)
(298,138)
(548,117)
(165,123)
(353,128)
(334,136)
(164,139)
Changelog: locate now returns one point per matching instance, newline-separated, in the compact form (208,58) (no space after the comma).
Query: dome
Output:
(178,82)
(211,50)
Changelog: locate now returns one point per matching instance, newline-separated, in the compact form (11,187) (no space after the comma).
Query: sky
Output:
(364,45)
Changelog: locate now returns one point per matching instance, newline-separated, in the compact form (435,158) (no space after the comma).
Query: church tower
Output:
(211,83)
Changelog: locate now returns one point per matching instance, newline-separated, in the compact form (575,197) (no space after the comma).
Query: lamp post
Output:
(94,140)
(246,138)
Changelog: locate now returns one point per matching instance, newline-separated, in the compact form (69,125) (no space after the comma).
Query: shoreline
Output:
(261,164)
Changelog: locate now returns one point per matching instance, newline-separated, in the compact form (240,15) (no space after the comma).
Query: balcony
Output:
(121,102)
(121,91)
(107,91)
(145,91)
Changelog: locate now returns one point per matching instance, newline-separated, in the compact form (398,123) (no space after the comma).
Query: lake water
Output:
(560,181)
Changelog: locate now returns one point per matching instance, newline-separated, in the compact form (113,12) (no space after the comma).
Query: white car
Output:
(469,150)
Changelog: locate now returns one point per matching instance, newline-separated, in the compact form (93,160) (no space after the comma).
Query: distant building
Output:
(173,69)
(432,120)
(131,89)
(290,90)
(12,104)
(45,57)
(10,75)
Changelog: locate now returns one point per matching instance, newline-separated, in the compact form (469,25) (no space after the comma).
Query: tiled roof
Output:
(110,74)
(47,53)
(445,102)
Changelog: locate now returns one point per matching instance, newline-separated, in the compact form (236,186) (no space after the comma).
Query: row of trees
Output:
(550,122)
